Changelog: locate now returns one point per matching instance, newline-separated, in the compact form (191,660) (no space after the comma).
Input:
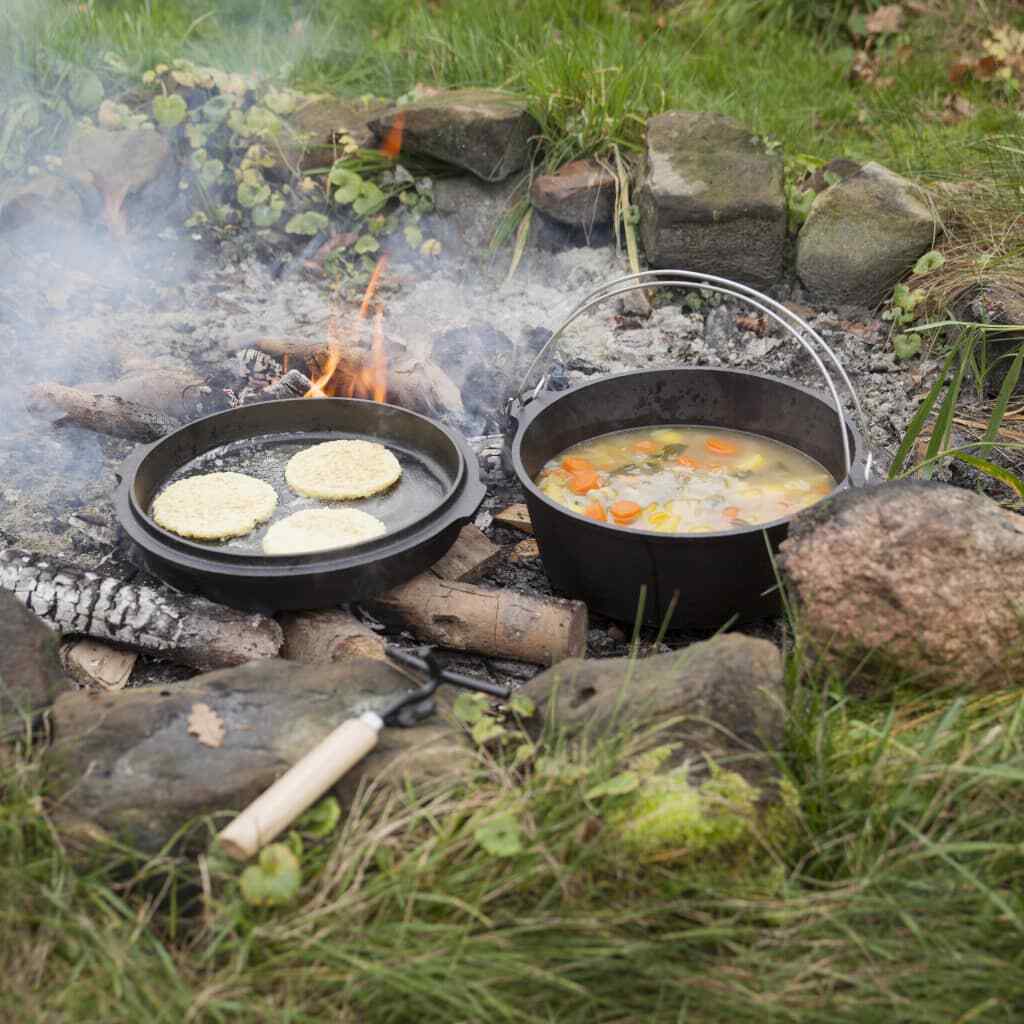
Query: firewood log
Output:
(106,414)
(188,630)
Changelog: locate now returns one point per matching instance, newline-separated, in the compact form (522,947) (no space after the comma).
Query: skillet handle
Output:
(130,465)
(305,782)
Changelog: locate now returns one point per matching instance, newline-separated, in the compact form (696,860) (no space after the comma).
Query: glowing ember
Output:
(369,381)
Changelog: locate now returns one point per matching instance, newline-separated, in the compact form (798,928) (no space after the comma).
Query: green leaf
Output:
(341,175)
(906,345)
(308,223)
(85,90)
(274,880)
(931,260)
(524,752)
(431,247)
(169,111)
(266,215)
(250,195)
(217,108)
(486,729)
(617,785)
(280,102)
(991,469)
(469,707)
(321,819)
(371,199)
(211,173)
(521,705)
(196,135)
(261,122)
(500,837)
(413,236)
(366,243)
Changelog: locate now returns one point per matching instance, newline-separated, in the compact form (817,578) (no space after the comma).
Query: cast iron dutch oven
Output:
(706,579)
(439,492)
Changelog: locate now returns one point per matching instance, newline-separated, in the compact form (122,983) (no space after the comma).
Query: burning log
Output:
(188,630)
(293,384)
(319,638)
(106,414)
(499,623)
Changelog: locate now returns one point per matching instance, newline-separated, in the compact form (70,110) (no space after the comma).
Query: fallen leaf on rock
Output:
(888,18)
(206,725)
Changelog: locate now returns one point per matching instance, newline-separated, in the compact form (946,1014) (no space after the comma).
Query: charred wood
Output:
(293,384)
(188,630)
(106,414)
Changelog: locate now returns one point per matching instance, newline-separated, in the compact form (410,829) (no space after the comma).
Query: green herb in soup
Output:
(678,479)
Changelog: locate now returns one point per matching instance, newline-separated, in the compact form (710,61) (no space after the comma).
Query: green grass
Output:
(899,901)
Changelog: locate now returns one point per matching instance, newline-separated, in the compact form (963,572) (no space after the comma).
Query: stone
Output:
(118,164)
(315,130)
(483,131)
(712,199)
(31,676)
(911,580)
(124,765)
(580,194)
(718,700)
(861,236)
(701,783)
(45,198)
(469,211)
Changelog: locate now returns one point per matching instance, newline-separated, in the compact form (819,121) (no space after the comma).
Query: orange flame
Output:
(370,380)
(392,144)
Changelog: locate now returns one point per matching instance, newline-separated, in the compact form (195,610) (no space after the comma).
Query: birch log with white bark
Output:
(188,630)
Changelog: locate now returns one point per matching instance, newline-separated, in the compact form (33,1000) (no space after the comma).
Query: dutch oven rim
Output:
(196,556)
(547,399)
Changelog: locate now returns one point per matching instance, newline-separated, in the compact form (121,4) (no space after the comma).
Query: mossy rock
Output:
(483,131)
(862,235)
(712,198)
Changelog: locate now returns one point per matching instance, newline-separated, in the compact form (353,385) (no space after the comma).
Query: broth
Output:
(680,479)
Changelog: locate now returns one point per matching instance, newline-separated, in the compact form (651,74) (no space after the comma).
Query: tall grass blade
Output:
(1004,476)
(944,419)
(1003,399)
(919,419)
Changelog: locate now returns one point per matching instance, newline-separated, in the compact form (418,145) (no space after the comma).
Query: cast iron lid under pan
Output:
(438,493)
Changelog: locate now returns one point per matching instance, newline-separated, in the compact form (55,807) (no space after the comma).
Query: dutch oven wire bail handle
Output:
(797,328)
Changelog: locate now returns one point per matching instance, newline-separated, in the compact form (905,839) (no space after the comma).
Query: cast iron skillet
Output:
(439,492)
(705,579)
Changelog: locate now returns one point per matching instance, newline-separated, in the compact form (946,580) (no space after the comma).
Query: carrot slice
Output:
(646,447)
(685,460)
(625,512)
(720,446)
(595,510)
(730,512)
(583,481)
(576,464)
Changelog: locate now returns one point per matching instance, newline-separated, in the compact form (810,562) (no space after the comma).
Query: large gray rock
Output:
(721,699)
(580,194)
(861,236)
(316,128)
(125,764)
(483,131)
(911,580)
(469,211)
(712,199)
(31,676)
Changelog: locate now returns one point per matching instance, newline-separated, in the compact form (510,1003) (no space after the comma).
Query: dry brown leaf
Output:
(956,107)
(960,69)
(751,322)
(206,725)
(888,18)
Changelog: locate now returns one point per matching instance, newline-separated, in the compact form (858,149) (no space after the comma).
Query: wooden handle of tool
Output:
(303,783)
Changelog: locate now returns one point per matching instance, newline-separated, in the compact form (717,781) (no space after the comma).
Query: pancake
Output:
(316,529)
(342,470)
(214,506)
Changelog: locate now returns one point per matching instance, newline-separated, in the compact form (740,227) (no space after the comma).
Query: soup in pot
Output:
(680,479)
